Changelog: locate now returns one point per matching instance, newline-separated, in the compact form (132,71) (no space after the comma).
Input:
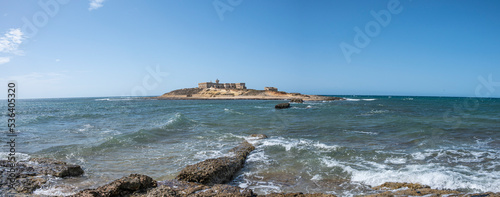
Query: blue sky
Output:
(62,48)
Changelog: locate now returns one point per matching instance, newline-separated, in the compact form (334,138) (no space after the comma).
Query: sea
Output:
(336,147)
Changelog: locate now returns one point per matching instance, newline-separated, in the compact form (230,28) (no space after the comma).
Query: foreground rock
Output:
(282,106)
(219,170)
(415,189)
(122,187)
(32,174)
(184,189)
(297,195)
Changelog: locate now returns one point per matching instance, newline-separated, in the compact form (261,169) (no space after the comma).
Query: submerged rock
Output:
(219,170)
(282,106)
(259,136)
(296,100)
(121,187)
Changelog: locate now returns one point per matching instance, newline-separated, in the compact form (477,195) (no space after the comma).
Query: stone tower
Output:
(217,81)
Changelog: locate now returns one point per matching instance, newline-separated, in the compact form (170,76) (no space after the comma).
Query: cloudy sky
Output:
(98,48)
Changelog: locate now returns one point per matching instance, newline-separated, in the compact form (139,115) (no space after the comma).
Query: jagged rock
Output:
(396,185)
(296,100)
(219,170)
(259,136)
(297,195)
(31,175)
(121,187)
(183,188)
(282,106)
(414,189)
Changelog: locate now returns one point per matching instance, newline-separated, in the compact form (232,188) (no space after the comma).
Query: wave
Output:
(116,99)
(174,126)
(351,99)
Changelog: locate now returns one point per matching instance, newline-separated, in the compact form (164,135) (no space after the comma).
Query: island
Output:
(238,91)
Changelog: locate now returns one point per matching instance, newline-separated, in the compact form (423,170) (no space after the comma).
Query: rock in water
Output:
(296,100)
(55,168)
(282,106)
(121,187)
(258,136)
(219,170)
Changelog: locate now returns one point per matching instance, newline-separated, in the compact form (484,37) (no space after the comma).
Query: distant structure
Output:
(222,85)
(271,88)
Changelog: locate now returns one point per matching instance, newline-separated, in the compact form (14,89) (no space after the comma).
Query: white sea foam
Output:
(19,156)
(115,99)
(300,144)
(54,191)
(351,99)
(86,127)
(395,160)
(435,175)
(316,177)
(365,132)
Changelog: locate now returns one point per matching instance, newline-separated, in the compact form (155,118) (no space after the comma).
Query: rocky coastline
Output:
(203,179)
(239,94)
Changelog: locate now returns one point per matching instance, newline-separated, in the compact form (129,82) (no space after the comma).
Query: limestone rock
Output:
(297,195)
(31,175)
(121,187)
(182,188)
(219,170)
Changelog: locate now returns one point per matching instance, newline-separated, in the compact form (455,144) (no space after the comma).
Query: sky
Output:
(101,48)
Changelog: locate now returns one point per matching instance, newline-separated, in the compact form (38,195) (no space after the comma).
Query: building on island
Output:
(271,88)
(222,85)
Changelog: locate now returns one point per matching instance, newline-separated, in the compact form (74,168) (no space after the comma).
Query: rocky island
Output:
(237,91)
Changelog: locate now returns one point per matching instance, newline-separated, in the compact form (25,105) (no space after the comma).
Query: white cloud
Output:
(94,4)
(58,60)
(4,60)
(10,41)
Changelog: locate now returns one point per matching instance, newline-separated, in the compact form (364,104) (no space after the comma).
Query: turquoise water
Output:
(339,147)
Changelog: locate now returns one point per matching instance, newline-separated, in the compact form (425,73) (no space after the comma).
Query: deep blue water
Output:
(340,147)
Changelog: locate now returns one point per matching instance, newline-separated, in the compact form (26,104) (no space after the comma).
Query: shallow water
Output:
(339,147)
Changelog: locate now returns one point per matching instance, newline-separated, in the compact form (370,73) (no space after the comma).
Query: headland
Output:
(237,91)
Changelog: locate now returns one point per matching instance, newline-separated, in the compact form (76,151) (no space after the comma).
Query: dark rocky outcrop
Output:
(219,170)
(121,187)
(296,100)
(32,174)
(282,106)
(55,168)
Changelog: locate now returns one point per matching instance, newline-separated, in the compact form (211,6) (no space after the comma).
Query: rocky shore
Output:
(239,94)
(206,178)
